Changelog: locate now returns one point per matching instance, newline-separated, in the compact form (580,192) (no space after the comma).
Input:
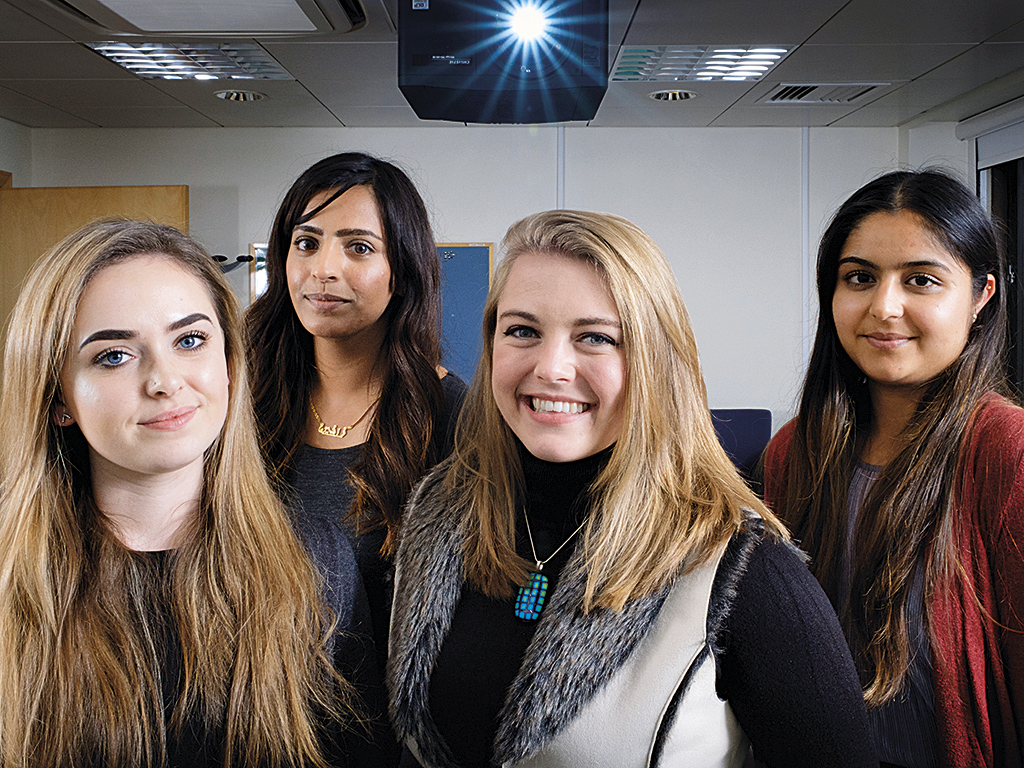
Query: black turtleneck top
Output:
(784,666)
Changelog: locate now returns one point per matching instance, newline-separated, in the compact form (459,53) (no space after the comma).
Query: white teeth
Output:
(557,406)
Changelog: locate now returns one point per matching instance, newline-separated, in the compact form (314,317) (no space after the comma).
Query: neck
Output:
(346,367)
(148,512)
(891,411)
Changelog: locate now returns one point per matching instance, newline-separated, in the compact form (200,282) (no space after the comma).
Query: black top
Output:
(322,497)
(784,666)
(195,745)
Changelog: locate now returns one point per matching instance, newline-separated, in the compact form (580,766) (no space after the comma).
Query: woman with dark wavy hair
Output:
(903,474)
(344,356)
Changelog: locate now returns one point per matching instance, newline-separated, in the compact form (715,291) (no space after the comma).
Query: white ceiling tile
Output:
(919,21)
(143,117)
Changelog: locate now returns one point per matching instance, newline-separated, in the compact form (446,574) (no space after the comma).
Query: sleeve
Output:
(1006,553)
(786,670)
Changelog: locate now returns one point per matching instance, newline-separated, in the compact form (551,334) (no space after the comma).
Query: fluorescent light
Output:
(203,61)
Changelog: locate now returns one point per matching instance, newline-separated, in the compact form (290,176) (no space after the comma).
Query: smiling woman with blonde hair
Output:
(587,580)
(155,606)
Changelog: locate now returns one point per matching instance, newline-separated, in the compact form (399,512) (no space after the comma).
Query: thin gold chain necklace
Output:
(334,430)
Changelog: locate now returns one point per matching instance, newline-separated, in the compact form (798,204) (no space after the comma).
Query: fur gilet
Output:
(628,689)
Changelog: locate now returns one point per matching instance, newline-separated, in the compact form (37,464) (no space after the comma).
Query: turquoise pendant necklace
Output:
(532,595)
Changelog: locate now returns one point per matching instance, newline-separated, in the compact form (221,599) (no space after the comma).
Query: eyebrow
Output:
(338,233)
(582,321)
(117,334)
(903,265)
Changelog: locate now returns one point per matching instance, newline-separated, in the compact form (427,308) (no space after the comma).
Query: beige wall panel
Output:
(32,219)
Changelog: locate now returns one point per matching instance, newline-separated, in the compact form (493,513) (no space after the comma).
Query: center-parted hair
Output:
(80,668)
(669,495)
(908,512)
(402,443)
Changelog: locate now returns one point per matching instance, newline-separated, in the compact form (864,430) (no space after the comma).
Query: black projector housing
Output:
(457,61)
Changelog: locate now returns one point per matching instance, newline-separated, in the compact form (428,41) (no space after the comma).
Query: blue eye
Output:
(191,341)
(597,339)
(111,358)
(520,332)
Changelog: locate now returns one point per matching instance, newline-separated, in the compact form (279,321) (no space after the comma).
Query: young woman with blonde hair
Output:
(587,580)
(155,606)
(902,474)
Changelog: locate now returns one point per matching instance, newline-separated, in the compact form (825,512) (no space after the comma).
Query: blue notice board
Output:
(465,279)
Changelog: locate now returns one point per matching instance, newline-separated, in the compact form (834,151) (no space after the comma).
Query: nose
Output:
(887,300)
(555,361)
(325,266)
(163,377)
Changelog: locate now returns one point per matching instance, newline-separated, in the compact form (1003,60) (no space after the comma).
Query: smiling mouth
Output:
(557,406)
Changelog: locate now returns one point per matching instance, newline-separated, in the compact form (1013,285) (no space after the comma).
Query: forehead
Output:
(150,288)
(904,232)
(560,281)
(358,200)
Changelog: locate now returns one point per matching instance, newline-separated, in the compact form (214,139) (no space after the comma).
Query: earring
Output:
(64,418)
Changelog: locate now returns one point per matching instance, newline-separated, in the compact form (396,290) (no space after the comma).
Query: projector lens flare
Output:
(529,22)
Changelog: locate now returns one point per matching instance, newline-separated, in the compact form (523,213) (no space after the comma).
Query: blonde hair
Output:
(79,672)
(669,495)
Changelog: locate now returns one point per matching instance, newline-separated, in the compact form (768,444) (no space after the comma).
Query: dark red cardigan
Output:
(978,666)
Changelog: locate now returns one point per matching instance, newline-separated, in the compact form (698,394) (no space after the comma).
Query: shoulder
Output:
(454,388)
(993,461)
(778,446)
(775,463)
(998,424)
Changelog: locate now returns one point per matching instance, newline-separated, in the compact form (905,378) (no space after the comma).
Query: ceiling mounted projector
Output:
(503,61)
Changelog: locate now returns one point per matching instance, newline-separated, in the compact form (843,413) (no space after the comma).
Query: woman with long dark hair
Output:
(156,608)
(903,474)
(587,581)
(344,356)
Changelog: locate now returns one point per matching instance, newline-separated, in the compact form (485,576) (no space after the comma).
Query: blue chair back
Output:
(744,433)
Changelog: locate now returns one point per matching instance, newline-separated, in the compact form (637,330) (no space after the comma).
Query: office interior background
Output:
(736,188)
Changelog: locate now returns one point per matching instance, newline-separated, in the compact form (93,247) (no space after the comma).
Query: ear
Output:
(61,417)
(986,293)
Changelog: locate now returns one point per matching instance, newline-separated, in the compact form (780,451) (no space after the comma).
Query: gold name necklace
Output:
(334,430)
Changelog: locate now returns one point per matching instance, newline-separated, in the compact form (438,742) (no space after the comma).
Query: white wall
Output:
(16,152)
(736,211)
(934,144)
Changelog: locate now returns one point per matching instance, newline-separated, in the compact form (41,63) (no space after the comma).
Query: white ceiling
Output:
(944,59)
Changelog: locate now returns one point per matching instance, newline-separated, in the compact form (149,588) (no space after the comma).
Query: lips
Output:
(886,340)
(171,420)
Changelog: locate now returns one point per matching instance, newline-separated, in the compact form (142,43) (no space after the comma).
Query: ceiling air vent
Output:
(822,93)
(237,18)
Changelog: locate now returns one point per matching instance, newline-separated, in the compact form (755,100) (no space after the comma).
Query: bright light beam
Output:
(528,23)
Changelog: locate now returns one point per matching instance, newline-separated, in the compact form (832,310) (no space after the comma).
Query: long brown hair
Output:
(669,495)
(402,442)
(908,512)
(79,672)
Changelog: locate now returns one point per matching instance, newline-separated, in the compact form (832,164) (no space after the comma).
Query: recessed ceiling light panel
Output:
(201,61)
(697,62)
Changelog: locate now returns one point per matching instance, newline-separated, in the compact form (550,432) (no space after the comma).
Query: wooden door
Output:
(32,219)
